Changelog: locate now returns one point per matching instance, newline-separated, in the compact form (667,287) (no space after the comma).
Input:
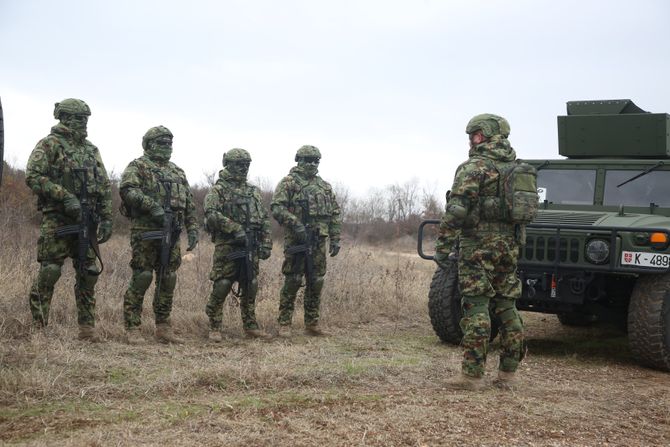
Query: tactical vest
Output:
(318,195)
(234,203)
(62,171)
(155,181)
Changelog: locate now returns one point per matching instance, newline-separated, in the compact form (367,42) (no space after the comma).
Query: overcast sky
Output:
(384,88)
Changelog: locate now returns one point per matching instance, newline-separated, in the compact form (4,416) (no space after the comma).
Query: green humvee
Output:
(599,248)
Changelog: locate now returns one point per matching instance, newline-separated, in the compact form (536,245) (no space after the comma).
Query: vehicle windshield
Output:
(566,186)
(653,187)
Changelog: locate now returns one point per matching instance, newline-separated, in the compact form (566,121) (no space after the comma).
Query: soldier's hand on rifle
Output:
(299,232)
(264,252)
(157,212)
(334,248)
(72,206)
(192,240)
(104,231)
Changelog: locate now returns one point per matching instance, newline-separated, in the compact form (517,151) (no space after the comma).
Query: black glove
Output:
(334,248)
(299,232)
(192,240)
(104,231)
(72,207)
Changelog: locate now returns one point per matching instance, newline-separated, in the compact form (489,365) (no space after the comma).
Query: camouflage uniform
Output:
(488,251)
(226,208)
(143,189)
(303,184)
(51,175)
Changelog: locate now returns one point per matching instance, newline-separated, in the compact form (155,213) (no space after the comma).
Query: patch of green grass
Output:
(118,376)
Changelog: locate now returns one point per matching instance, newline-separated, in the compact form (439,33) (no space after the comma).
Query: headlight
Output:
(597,251)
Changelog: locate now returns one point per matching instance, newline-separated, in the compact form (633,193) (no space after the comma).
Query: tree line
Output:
(384,214)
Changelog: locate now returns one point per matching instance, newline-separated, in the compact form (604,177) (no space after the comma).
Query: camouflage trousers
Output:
(144,262)
(224,274)
(293,269)
(488,283)
(51,254)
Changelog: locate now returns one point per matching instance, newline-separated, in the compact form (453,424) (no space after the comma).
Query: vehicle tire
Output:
(649,321)
(575,319)
(444,306)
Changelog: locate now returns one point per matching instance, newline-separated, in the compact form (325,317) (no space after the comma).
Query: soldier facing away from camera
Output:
(66,173)
(305,205)
(157,198)
(240,229)
(488,248)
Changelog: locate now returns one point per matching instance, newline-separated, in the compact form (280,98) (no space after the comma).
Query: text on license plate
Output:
(655,260)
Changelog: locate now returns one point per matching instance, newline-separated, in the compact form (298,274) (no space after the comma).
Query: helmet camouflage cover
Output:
(489,124)
(307,151)
(153,133)
(71,106)
(236,154)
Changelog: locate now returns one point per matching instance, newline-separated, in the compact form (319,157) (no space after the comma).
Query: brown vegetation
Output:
(376,380)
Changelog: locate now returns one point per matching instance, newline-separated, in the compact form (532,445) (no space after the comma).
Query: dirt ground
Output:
(379,383)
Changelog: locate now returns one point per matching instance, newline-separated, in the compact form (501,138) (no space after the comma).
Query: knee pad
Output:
(169,282)
(317,285)
(474,305)
(49,274)
(293,283)
(510,319)
(221,288)
(87,282)
(253,288)
(141,280)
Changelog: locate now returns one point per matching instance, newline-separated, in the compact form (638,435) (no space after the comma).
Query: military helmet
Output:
(307,152)
(153,133)
(71,106)
(489,124)
(236,154)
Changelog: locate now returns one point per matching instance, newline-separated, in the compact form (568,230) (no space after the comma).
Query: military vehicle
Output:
(599,248)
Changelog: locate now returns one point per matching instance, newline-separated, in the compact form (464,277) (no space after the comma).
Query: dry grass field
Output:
(376,380)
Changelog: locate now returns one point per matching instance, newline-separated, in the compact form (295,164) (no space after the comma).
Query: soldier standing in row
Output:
(487,254)
(66,173)
(157,198)
(240,229)
(305,205)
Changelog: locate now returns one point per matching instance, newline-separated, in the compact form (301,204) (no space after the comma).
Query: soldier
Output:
(304,204)
(240,229)
(487,254)
(156,196)
(58,169)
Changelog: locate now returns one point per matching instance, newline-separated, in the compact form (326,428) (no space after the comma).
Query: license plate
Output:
(643,259)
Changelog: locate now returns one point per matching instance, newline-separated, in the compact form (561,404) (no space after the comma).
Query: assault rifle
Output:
(168,235)
(86,228)
(308,247)
(250,249)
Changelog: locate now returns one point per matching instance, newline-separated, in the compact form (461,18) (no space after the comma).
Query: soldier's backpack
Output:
(517,190)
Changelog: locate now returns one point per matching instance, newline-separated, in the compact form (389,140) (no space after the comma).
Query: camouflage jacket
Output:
(475,186)
(142,186)
(324,212)
(226,208)
(50,173)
